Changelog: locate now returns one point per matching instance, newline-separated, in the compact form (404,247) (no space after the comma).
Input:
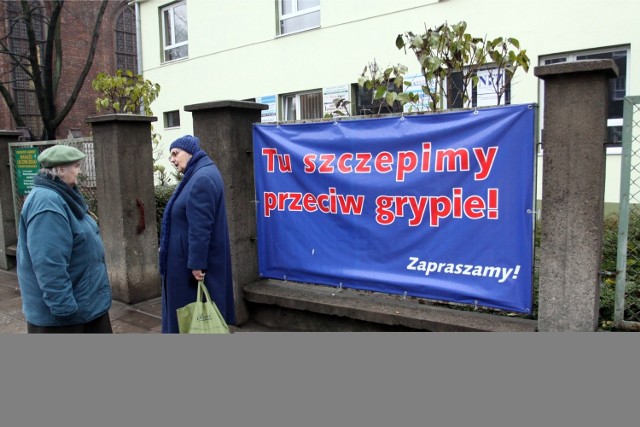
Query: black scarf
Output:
(71,195)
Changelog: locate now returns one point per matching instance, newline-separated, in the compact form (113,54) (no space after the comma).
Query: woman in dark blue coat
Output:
(194,237)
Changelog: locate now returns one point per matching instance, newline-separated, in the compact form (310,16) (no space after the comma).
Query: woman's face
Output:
(179,159)
(69,173)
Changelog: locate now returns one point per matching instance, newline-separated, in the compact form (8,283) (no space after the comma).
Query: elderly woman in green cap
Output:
(61,262)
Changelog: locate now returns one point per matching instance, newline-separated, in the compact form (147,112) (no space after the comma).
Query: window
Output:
(302,106)
(175,35)
(484,94)
(365,104)
(24,92)
(126,48)
(298,15)
(172,119)
(618,85)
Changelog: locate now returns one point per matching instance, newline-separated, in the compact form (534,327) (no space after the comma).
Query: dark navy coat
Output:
(198,239)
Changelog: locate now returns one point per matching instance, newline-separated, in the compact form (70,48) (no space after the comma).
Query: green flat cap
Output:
(59,155)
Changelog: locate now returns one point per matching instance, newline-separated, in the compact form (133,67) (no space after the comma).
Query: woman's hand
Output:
(198,274)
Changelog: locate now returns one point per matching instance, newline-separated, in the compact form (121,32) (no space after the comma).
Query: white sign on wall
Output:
(487,81)
(329,94)
(270,115)
(417,81)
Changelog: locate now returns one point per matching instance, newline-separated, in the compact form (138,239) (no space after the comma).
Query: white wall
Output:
(234,52)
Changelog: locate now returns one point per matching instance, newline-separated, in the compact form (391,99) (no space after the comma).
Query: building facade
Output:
(116,48)
(296,55)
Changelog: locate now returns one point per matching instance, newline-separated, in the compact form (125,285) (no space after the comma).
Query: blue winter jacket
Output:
(61,263)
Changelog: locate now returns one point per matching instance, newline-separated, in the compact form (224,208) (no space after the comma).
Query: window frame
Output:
(572,56)
(166,48)
(166,115)
(296,13)
(364,100)
(120,28)
(21,87)
(285,100)
(488,99)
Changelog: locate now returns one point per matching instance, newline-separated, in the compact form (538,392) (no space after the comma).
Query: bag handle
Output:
(202,289)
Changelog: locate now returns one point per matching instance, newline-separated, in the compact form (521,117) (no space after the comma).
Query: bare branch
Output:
(87,66)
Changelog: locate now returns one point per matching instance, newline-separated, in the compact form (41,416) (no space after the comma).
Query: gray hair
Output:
(54,171)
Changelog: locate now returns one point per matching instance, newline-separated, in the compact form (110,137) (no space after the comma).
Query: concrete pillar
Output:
(8,235)
(225,129)
(126,204)
(575,130)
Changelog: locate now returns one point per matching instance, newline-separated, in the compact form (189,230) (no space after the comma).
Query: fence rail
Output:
(24,167)
(627,302)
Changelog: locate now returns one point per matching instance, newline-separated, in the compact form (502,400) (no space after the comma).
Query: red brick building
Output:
(116,48)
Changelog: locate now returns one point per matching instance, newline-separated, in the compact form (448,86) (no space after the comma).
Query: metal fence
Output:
(24,167)
(627,296)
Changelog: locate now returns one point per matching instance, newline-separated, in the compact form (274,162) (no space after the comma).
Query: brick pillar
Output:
(225,129)
(8,235)
(125,190)
(575,130)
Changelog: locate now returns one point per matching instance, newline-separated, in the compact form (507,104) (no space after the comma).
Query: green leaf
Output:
(391,97)
(399,41)
(403,98)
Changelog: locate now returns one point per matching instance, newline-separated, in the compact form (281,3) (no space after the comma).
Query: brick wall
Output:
(77,21)
(77,25)
(5,116)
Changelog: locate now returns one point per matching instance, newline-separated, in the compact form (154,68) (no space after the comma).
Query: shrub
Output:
(163,194)
(608,282)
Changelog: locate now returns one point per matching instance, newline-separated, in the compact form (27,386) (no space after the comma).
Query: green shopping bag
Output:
(201,317)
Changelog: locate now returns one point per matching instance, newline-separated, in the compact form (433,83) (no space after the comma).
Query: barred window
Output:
(303,106)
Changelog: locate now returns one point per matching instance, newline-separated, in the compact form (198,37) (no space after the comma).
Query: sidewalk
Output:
(141,318)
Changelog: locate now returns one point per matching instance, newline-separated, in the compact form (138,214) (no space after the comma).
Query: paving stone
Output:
(139,320)
(152,306)
(120,327)
(12,307)
(11,325)
(8,292)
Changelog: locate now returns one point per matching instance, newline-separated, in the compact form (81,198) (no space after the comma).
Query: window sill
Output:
(298,32)
(173,61)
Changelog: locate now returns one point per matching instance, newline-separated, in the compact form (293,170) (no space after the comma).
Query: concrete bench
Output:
(379,308)
(12,250)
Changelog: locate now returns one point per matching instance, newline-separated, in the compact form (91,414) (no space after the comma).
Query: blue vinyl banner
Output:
(437,206)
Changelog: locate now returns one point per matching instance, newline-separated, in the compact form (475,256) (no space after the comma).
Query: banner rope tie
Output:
(338,291)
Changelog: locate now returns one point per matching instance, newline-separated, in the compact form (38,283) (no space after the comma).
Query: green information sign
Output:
(27,167)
